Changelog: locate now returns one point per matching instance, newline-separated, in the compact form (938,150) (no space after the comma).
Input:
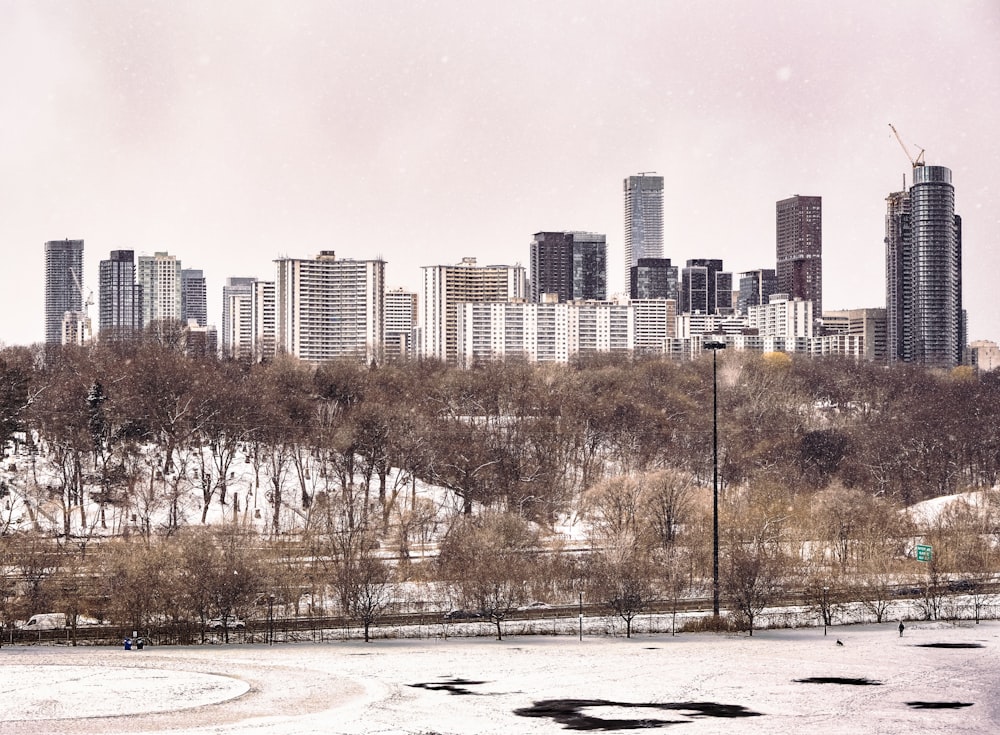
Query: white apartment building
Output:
(327,308)
(446,287)
(543,332)
(655,323)
(782,317)
(401,315)
(237,317)
(160,277)
(262,309)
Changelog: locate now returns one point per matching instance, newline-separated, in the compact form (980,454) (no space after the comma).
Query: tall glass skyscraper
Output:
(923,238)
(572,265)
(119,297)
(643,220)
(63,285)
(194,297)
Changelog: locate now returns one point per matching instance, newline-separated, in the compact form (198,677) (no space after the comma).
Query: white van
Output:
(45,621)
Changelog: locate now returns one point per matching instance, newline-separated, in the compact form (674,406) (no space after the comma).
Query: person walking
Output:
(128,644)
(901,628)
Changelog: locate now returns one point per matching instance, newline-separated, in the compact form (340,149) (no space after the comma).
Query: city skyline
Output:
(231,135)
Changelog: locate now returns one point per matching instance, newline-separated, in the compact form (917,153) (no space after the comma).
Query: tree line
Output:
(816,459)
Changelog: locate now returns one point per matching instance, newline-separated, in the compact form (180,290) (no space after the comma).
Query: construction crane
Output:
(915,162)
(85,304)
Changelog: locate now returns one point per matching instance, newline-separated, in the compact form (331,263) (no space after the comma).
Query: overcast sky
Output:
(229,133)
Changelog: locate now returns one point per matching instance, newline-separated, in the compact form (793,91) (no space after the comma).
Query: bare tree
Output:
(488,561)
(751,581)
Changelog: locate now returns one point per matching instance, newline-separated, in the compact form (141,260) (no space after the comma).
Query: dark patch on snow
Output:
(839,680)
(652,648)
(950,645)
(939,705)
(570,713)
(455,685)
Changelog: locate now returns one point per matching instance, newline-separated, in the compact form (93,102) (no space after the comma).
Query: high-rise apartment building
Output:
(194,297)
(327,308)
(63,286)
(160,277)
(401,316)
(262,306)
(654,278)
(799,249)
(448,286)
(643,220)
(924,318)
(572,265)
(119,297)
(237,317)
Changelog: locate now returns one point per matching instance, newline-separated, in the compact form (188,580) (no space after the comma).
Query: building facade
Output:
(799,249)
(924,271)
(327,308)
(445,287)
(643,219)
(63,287)
(119,297)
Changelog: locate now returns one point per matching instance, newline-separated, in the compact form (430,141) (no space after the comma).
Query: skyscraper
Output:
(643,220)
(327,308)
(924,271)
(63,285)
(717,296)
(572,265)
(160,277)
(194,297)
(119,297)
(799,246)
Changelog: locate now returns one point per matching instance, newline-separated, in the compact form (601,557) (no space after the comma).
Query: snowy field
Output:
(938,678)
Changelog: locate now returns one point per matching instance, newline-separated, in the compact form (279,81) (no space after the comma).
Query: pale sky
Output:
(232,132)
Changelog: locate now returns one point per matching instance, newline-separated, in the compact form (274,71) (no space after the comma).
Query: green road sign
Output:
(923,552)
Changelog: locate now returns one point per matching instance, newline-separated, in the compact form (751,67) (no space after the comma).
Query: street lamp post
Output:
(715,345)
(826,609)
(270,620)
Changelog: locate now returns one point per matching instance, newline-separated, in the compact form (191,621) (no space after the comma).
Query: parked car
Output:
(462,615)
(232,622)
(537,605)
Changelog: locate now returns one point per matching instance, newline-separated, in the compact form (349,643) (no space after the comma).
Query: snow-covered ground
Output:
(937,678)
